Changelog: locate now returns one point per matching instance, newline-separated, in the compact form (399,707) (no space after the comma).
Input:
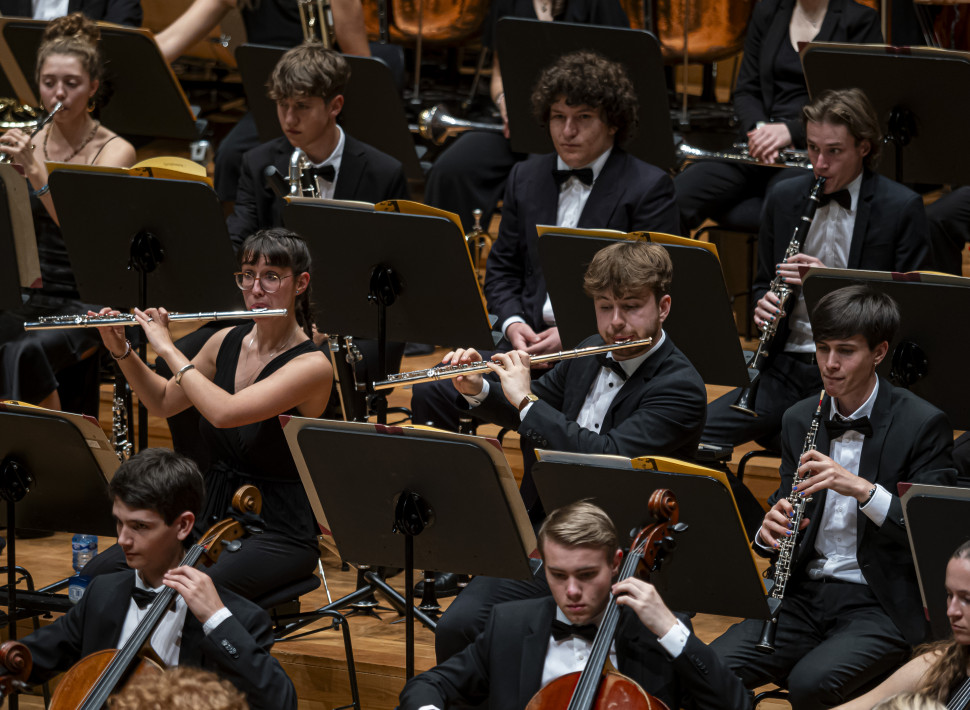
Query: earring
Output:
(91,105)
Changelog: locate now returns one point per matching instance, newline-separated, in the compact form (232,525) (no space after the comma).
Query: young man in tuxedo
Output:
(588,104)
(852,607)
(865,221)
(307,86)
(527,644)
(156,497)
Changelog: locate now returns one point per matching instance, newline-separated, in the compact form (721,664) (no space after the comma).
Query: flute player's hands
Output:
(470,385)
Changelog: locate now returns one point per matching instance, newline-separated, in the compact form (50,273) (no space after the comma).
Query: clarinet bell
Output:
(766,644)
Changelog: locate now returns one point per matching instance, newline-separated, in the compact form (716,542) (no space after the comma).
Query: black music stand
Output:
(145,97)
(924,358)
(62,487)
(701,321)
(714,541)
(140,242)
(16,234)
(937,522)
(924,124)
(403,506)
(529,46)
(415,269)
(372,113)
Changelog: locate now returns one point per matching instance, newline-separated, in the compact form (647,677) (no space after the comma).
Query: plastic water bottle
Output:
(84,548)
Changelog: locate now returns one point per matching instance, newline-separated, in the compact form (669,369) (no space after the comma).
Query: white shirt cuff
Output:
(673,641)
(213,621)
(476,399)
(877,508)
(760,542)
(429,707)
(509,321)
(525,410)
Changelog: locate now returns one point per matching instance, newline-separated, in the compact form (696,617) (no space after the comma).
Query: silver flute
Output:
(52,322)
(447,372)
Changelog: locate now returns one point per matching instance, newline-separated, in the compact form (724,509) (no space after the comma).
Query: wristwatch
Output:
(527,400)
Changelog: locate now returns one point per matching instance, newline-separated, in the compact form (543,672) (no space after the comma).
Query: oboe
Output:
(745,401)
(786,547)
(99,321)
(447,372)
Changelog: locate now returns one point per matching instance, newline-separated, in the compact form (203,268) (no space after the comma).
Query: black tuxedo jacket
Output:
(754,93)
(122,12)
(659,410)
(912,441)
(237,649)
(366,174)
(628,195)
(504,665)
(890,233)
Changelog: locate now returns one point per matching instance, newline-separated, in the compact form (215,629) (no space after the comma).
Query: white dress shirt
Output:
(829,240)
(49,9)
(573,195)
(333,159)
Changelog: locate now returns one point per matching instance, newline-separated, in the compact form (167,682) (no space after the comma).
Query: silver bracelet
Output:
(178,375)
(119,358)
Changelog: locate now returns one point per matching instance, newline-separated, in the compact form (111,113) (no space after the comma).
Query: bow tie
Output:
(611,364)
(841,196)
(324,172)
(838,427)
(584,175)
(143,597)
(561,630)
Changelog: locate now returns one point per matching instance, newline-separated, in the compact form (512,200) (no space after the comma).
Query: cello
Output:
(89,683)
(599,685)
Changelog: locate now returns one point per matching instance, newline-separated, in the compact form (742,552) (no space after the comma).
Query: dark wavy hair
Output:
(856,310)
(850,108)
(77,36)
(283,248)
(160,480)
(586,77)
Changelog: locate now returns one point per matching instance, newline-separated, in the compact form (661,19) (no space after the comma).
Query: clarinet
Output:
(745,401)
(786,548)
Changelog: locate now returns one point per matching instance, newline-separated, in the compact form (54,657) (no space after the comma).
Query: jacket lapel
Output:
(534,647)
(833,16)
(648,368)
(544,194)
(603,197)
(352,165)
(872,447)
(861,220)
(587,370)
(190,650)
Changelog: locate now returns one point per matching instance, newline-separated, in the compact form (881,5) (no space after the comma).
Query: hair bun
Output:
(75,26)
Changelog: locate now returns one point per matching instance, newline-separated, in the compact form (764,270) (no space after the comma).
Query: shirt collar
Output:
(141,584)
(338,151)
(597,620)
(596,165)
(630,366)
(854,187)
(864,411)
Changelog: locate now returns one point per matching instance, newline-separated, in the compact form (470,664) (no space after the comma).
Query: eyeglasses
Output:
(270,281)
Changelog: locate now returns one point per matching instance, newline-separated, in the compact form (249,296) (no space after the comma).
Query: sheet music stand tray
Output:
(622,487)
(701,322)
(402,506)
(364,257)
(926,126)
(933,544)
(18,242)
(42,493)
(372,112)
(529,46)
(924,358)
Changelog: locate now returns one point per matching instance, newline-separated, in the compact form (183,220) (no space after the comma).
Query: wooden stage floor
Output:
(317,663)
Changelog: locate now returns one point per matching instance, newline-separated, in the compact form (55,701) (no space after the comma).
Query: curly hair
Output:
(909,701)
(850,108)
(77,36)
(588,78)
(309,70)
(626,267)
(952,658)
(179,689)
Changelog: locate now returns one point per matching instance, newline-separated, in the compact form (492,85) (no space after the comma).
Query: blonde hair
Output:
(179,689)
(579,523)
(909,701)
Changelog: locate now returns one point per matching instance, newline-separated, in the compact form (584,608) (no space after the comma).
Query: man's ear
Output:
(336,105)
(183,524)
(879,353)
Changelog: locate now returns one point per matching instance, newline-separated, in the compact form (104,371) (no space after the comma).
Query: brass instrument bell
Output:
(316,16)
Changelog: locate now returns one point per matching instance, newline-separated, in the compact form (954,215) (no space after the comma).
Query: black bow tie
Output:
(324,172)
(561,630)
(143,597)
(841,196)
(611,364)
(838,427)
(584,175)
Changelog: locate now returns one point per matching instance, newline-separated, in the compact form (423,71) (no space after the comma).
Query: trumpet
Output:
(5,156)
(316,16)
(99,321)
(787,158)
(437,125)
(447,372)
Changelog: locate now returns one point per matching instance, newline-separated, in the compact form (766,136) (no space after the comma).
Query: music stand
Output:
(622,487)
(129,247)
(529,46)
(372,112)
(43,492)
(364,258)
(145,97)
(923,357)
(19,263)
(403,507)
(925,125)
(932,543)
(701,322)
